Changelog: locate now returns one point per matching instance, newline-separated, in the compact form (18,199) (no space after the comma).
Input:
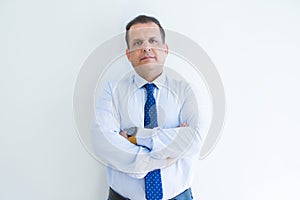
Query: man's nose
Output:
(146,47)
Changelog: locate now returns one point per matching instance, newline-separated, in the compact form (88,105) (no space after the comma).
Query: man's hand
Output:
(184,124)
(131,139)
(124,134)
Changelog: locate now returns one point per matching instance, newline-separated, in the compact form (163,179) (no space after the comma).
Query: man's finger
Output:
(184,124)
(124,134)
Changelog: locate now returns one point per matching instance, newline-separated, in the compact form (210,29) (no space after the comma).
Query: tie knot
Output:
(149,87)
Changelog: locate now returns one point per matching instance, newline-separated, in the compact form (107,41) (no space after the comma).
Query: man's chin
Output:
(150,65)
(152,68)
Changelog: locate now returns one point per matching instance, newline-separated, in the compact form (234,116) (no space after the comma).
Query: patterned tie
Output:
(153,179)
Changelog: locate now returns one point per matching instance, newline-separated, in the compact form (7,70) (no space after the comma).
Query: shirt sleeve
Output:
(113,149)
(179,142)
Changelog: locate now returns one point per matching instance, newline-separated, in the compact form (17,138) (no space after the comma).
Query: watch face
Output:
(131,131)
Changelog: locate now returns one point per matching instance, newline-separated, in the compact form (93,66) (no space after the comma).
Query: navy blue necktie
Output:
(153,183)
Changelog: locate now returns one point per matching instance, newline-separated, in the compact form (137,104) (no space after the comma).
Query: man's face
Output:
(146,52)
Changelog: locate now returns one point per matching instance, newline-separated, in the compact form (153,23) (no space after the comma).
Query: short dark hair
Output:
(143,19)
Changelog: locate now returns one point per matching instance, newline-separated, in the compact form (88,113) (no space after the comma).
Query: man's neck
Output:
(150,77)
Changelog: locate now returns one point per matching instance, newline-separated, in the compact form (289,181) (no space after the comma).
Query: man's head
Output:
(146,48)
(143,19)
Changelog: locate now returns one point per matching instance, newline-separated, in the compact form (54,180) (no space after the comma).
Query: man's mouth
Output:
(147,57)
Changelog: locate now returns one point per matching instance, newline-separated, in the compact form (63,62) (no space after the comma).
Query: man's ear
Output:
(128,54)
(166,48)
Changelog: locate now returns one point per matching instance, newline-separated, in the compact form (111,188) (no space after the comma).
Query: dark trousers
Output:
(186,195)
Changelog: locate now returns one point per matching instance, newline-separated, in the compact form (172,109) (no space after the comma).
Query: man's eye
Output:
(137,43)
(153,41)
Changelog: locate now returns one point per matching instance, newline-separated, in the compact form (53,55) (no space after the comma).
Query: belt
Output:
(115,196)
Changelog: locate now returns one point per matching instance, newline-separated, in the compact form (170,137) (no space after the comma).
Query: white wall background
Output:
(254,44)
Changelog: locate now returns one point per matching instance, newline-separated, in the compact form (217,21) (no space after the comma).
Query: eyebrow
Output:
(136,40)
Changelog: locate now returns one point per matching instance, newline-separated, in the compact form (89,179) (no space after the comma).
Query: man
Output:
(148,129)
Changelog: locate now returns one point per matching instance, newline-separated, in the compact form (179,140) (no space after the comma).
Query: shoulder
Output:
(117,88)
(122,83)
(178,85)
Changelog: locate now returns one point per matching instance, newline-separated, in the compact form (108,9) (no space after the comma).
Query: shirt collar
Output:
(159,81)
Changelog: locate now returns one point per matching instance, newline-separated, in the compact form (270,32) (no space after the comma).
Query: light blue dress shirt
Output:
(173,149)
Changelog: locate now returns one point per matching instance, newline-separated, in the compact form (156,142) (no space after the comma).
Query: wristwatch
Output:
(131,131)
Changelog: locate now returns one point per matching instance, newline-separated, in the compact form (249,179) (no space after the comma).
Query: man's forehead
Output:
(146,29)
(150,25)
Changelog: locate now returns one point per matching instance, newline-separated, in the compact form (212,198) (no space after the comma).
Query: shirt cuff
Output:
(144,137)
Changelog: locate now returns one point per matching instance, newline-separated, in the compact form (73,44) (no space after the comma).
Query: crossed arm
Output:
(133,140)
(157,148)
